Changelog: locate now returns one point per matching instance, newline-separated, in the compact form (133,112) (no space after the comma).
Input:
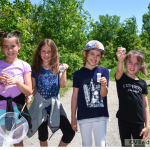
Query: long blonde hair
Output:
(54,62)
(140,59)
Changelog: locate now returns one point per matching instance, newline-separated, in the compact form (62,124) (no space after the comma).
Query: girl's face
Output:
(92,58)
(46,54)
(10,48)
(132,65)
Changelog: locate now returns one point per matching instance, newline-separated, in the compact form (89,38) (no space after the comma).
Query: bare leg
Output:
(43,144)
(17,134)
(2,129)
(62,144)
(19,144)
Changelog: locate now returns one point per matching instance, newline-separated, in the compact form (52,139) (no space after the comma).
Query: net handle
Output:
(23,107)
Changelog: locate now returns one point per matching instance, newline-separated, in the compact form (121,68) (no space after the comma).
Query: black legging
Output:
(65,126)
(126,129)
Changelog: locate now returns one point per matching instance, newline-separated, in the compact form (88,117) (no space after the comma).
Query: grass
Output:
(64,90)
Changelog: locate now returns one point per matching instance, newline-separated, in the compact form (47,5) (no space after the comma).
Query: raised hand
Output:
(65,66)
(121,54)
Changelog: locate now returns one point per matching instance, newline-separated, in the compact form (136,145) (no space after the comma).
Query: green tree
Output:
(127,34)
(64,21)
(105,30)
(145,35)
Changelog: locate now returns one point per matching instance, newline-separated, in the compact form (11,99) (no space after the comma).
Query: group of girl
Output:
(89,98)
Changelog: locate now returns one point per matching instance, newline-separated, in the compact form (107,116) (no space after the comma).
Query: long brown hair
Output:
(140,59)
(54,62)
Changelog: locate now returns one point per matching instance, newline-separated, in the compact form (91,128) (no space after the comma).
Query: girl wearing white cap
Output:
(89,98)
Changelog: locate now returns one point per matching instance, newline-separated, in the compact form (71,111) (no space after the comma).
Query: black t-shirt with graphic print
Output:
(90,104)
(130,99)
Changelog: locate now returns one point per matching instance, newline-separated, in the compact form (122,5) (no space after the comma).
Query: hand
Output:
(121,54)
(103,81)
(2,79)
(144,132)
(74,124)
(28,99)
(65,66)
(9,80)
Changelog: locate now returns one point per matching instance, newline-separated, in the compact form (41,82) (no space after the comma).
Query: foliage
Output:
(112,33)
(145,35)
(74,62)
(148,87)
(71,27)
(65,22)
(105,30)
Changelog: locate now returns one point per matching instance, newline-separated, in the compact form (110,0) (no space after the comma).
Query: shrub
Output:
(74,61)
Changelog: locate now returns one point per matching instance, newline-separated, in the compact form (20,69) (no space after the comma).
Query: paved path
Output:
(112,137)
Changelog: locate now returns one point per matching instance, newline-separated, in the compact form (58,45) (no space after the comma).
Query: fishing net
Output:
(13,128)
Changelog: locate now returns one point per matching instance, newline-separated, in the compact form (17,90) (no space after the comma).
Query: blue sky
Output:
(123,8)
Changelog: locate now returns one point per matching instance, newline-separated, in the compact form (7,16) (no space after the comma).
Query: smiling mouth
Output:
(131,69)
(11,54)
(46,58)
(93,61)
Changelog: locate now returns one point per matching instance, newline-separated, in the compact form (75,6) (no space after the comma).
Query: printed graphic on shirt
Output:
(132,88)
(9,72)
(92,94)
(47,85)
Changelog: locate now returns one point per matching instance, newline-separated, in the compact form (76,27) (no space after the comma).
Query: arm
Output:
(120,66)
(146,117)
(74,108)
(63,76)
(34,89)
(33,86)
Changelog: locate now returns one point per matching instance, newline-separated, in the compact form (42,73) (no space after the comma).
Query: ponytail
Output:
(143,69)
(2,33)
(17,33)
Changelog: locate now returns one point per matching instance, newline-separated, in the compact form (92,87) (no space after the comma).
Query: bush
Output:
(74,61)
(26,53)
(2,56)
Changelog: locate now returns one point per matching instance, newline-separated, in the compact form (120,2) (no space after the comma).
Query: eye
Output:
(4,46)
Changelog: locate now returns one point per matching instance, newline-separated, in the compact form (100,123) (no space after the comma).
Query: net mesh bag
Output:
(12,129)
